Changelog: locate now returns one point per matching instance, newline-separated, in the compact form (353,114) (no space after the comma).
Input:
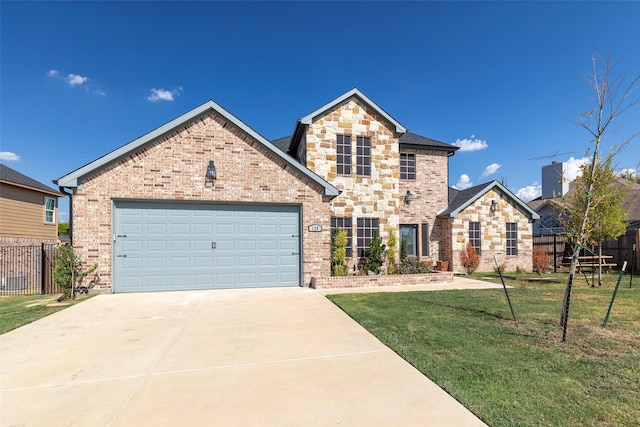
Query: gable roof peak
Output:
(355,92)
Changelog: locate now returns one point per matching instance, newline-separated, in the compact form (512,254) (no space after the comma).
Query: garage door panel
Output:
(198,246)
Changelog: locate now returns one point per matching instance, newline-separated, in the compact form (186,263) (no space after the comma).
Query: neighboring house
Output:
(28,210)
(549,205)
(204,201)
(496,223)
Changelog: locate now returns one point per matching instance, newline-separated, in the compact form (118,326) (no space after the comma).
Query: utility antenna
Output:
(551,156)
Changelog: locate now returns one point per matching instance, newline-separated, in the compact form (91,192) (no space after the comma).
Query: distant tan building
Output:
(28,210)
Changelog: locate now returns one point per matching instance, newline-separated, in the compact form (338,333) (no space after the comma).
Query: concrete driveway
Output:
(260,357)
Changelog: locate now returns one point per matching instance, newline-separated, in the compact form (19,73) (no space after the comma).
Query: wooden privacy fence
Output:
(28,270)
(621,249)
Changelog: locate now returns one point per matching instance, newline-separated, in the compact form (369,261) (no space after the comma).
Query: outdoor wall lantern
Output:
(408,198)
(211,171)
(494,206)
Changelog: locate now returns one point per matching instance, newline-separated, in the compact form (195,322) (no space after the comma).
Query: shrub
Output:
(373,255)
(404,249)
(67,271)
(469,258)
(502,267)
(411,265)
(338,252)
(541,263)
(391,246)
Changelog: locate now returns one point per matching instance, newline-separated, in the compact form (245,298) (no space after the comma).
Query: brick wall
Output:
(429,196)
(173,168)
(493,233)
(381,280)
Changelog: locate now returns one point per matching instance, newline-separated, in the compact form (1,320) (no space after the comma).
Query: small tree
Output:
(540,261)
(339,252)
(374,255)
(391,250)
(67,271)
(404,249)
(612,97)
(63,228)
(469,258)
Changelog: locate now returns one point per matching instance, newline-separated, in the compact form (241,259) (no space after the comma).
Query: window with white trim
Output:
(49,210)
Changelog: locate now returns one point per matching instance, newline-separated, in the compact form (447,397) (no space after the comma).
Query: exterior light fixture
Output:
(211,171)
(408,198)
(494,206)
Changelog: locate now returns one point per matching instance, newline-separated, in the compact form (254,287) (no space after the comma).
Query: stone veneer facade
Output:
(173,167)
(382,194)
(493,233)
(375,196)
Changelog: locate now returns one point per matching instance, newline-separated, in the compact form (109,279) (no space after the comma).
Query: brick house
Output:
(495,221)
(205,201)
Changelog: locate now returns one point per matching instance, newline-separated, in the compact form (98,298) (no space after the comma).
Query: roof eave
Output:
(73,179)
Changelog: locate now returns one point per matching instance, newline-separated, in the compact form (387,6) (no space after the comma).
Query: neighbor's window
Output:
(512,238)
(49,210)
(363,156)
(343,155)
(367,227)
(345,224)
(474,236)
(410,234)
(407,166)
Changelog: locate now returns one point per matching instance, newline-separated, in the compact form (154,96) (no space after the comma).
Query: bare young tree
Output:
(613,96)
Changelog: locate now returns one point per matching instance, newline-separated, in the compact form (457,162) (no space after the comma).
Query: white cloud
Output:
(53,73)
(473,144)
(530,192)
(9,156)
(490,170)
(628,172)
(75,80)
(63,216)
(464,182)
(574,167)
(163,95)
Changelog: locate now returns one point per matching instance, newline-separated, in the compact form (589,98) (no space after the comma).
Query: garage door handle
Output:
(295,253)
(122,256)
(121,235)
(214,245)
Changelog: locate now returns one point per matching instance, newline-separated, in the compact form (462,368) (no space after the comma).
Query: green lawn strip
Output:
(520,373)
(18,310)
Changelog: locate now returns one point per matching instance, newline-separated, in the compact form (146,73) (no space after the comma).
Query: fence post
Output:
(555,254)
(43,266)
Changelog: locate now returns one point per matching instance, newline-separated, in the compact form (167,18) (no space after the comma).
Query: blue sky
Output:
(79,79)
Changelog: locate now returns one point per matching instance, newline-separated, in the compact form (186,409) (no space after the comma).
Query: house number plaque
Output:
(314,228)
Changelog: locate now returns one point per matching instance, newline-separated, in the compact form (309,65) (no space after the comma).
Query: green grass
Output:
(519,373)
(18,310)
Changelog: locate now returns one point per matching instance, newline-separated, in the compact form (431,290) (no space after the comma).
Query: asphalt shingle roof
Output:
(13,176)
(406,139)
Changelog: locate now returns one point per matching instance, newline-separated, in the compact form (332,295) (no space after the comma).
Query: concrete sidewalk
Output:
(260,357)
(458,283)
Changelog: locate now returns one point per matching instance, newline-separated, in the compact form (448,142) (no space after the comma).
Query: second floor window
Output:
(363,156)
(49,210)
(407,166)
(343,155)
(474,236)
(512,238)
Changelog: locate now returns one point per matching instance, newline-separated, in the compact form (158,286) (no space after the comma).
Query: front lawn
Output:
(18,310)
(519,373)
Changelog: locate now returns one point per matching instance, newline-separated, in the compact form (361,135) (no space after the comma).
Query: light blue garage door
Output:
(176,246)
